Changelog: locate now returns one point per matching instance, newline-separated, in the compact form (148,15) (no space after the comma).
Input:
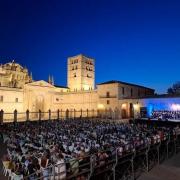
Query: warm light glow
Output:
(175,107)
(86,87)
(124,106)
(136,106)
(100,106)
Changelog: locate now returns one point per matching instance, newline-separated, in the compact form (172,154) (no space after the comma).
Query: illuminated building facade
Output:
(123,100)
(14,75)
(81,73)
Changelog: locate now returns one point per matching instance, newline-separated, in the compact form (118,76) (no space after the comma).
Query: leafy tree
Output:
(175,89)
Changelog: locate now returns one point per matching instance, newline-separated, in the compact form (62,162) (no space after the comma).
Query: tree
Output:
(175,89)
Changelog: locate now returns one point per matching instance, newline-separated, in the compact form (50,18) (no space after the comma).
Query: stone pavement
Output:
(168,170)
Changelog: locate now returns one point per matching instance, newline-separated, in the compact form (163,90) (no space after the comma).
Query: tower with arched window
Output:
(81,73)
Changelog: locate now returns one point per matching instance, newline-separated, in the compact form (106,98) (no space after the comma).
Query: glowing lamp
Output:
(124,106)
(86,87)
(136,106)
(100,106)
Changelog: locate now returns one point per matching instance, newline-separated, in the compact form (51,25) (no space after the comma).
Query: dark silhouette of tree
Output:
(175,89)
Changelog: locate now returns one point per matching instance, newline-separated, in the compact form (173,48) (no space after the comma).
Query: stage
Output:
(155,119)
(167,122)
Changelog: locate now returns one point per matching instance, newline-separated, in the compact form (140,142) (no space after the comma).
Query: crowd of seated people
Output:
(165,115)
(33,146)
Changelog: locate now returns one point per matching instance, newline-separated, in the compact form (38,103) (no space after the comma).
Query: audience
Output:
(33,147)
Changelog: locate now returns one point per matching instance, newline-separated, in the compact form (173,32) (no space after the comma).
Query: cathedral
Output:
(14,75)
(18,91)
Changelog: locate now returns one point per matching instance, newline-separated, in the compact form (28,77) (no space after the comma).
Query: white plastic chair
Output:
(6,171)
(16,177)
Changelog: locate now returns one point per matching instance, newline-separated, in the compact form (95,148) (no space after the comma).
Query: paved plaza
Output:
(168,170)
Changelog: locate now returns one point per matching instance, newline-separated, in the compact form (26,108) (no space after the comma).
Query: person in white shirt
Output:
(60,168)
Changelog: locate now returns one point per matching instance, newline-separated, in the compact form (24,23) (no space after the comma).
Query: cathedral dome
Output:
(13,66)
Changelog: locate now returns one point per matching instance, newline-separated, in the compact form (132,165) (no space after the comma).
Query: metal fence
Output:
(56,115)
(126,166)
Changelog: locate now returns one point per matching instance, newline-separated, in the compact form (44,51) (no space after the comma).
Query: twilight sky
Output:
(137,41)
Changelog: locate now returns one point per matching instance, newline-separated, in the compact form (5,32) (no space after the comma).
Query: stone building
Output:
(19,91)
(113,93)
(81,71)
(14,75)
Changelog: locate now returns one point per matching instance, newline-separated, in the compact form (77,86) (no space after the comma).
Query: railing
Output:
(60,171)
(57,115)
(128,165)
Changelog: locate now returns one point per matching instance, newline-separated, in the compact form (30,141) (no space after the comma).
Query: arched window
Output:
(123,92)
(139,93)
(1,98)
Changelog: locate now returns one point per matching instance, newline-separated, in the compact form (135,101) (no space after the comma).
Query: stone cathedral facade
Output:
(19,91)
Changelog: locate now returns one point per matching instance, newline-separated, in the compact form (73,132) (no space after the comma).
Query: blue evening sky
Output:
(137,41)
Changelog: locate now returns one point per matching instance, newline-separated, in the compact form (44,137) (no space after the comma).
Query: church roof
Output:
(61,86)
(13,64)
(121,82)
(83,55)
(41,83)
(157,96)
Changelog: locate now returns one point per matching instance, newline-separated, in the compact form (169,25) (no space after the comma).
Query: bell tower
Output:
(81,73)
